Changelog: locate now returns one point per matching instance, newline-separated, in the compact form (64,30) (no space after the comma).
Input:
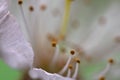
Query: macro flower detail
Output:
(71,39)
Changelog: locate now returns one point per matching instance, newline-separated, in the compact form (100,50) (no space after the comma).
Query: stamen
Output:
(20,2)
(76,68)
(54,44)
(69,70)
(105,71)
(68,62)
(72,52)
(31,8)
(23,15)
(65,19)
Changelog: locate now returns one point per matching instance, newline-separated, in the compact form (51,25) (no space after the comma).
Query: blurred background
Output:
(7,73)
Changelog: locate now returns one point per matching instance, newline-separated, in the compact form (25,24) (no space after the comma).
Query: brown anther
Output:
(72,52)
(43,7)
(20,2)
(77,60)
(70,66)
(31,8)
(102,78)
(111,61)
(54,43)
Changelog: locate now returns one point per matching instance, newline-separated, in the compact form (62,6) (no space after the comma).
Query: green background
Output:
(7,73)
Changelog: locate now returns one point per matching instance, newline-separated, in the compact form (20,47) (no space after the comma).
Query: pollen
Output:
(20,2)
(102,78)
(111,61)
(72,52)
(31,8)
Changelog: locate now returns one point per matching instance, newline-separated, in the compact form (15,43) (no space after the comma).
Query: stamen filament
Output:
(65,19)
(23,16)
(55,55)
(68,62)
(69,71)
(76,68)
(66,66)
(105,71)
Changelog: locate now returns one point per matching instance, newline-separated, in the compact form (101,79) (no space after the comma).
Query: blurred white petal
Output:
(41,74)
(15,50)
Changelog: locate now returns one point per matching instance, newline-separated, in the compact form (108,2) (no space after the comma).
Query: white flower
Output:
(88,27)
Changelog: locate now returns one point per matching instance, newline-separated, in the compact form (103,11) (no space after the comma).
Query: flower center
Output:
(56,43)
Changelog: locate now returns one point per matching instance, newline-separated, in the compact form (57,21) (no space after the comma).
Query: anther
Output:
(72,52)
(70,67)
(111,61)
(54,43)
(102,78)
(76,68)
(69,70)
(31,8)
(77,60)
(20,2)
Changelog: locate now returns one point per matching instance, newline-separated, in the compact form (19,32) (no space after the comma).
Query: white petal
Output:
(3,8)
(41,74)
(15,50)
(102,39)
